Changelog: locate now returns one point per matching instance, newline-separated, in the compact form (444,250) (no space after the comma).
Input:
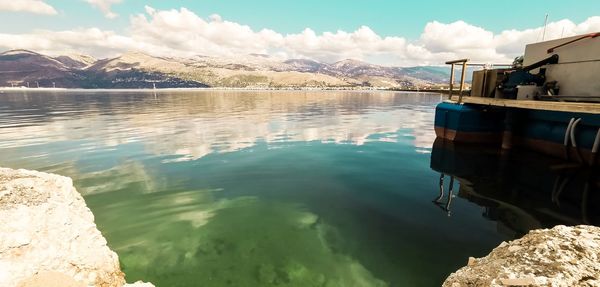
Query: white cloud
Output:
(105,7)
(462,40)
(360,44)
(89,41)
(187,33)
(184,33)
(31,6)
(508,41)
(440,37)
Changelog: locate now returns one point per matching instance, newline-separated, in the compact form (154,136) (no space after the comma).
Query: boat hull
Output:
(540,130)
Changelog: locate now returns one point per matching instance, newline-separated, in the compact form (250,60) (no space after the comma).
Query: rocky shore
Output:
(48,236)
(557,257)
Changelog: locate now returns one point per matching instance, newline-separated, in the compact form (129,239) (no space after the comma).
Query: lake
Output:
(285,188)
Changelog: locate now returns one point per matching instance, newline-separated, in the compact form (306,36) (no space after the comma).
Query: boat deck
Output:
(575,107)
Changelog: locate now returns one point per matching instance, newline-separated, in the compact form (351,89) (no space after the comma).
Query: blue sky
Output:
(386,17)
(406,20)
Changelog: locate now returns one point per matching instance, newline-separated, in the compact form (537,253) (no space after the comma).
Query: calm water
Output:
(274,188)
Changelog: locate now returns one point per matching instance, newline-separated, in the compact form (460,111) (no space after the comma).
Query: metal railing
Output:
(463,64)
(439,200)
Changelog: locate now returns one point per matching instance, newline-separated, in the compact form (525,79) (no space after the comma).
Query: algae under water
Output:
(214,188)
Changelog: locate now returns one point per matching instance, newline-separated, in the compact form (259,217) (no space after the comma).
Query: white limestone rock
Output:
(48,236)
(557,257)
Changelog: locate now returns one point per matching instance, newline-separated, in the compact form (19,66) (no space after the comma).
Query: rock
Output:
(561,256)
(472,261)
(527,281)
(50,279)
(49,237)
(514,248)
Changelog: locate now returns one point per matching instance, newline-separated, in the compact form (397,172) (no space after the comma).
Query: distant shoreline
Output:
(25,89)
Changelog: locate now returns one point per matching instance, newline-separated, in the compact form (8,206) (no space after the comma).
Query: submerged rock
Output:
(48,236)
(561,256)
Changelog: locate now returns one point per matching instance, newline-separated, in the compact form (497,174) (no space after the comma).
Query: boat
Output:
(547,101)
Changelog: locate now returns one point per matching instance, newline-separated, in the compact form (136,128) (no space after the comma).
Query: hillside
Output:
(27,68)
(138,70)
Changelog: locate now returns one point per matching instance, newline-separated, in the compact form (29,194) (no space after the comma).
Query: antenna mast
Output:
(545,24)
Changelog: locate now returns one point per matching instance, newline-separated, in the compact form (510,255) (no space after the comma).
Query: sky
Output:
(386,32)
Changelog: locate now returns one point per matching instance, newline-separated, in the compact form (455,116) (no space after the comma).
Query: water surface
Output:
(261,188)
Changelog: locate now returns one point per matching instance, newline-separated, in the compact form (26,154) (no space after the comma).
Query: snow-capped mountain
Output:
(139,70)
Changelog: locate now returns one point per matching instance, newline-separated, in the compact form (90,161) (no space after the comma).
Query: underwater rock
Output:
(561,256)
(266,274)
(48,236)
(139,284)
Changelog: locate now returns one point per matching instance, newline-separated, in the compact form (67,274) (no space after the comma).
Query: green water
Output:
(254,188)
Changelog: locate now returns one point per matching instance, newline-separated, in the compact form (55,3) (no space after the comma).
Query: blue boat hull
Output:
(539,130)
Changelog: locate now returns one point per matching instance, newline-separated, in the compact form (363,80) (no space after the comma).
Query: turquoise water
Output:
(256,188)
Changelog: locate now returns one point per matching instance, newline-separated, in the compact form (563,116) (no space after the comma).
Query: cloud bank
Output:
(105,7)
(182,32)
(30,6)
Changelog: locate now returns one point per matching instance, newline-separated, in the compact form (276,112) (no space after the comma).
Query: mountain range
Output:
(139,70)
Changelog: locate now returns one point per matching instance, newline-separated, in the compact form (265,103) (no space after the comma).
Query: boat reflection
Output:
(520,190)
(439,201)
